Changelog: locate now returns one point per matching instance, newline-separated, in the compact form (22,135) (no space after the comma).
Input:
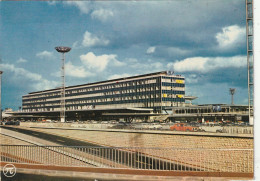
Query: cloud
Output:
(37,82)
(156,65)
(116,76)
(117,63)
(52,2)
(206,64)
(75,45)
(45,55)
(191,78)
(142,67)
(231,36)
(99,63)
(21,60)
(175,50)
(150,50)
(219,91)
(102,14)
(84,7)
(90,40)
(77,71)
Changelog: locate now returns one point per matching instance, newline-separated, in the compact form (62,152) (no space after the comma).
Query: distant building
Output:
(154,92)
(5,114)
(211,112)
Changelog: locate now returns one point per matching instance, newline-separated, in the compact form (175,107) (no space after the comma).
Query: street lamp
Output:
(1,72)
(62,50)
(232,92)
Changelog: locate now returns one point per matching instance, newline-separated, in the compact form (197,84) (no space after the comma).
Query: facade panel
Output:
(156,90)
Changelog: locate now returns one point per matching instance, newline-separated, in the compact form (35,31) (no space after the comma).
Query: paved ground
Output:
(52,139)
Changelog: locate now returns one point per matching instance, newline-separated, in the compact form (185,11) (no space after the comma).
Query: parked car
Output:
(154,126)
(184,127)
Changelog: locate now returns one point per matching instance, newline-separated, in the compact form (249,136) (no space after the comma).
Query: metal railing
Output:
(174,159)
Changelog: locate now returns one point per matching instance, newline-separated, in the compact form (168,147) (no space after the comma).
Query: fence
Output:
(174,159)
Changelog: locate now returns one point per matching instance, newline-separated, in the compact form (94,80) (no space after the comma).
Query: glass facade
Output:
(156,90)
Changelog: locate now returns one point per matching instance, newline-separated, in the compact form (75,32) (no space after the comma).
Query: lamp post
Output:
(232,92)
(62,50)
(1,72)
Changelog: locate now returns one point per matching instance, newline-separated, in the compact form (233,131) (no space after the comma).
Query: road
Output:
(137,159)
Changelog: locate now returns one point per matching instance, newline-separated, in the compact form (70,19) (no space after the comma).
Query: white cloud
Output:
(102,14)
(150,50)
(116,76)
(91,40)
(45,54)
(76,71)
(191,78)
(117,63)
(231,36)
(75,45)
(157,65)
(52,2)
(84,7)
(21,60)
(206,64)
(144,67)
(99,63)
(44,84)
(36,80)
(177,51)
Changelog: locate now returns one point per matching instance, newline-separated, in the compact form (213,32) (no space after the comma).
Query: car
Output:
(155,126)
(184,127)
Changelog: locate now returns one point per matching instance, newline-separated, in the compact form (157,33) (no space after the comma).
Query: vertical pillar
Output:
(62,112)
(62,50)
(1,72)
(250,58)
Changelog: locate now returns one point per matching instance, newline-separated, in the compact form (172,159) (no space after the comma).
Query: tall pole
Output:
(63,109)
(232,92)
(250,58)
(1,72)
(62,50)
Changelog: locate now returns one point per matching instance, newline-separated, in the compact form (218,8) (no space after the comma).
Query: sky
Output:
(202,40)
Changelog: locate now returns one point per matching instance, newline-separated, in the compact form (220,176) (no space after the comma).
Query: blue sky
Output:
(203,40)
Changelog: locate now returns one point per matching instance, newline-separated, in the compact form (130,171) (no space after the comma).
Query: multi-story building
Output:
(159,91)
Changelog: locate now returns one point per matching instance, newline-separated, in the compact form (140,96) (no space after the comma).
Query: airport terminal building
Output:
(153,92)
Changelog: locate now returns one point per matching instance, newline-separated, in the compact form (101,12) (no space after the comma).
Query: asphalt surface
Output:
(54,138)
(139,160)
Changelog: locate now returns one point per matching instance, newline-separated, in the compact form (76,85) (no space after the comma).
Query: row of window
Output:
(100,87)
(107,97)
(174,90)
(174,78)
(115,85)
(127,92)
(94,102)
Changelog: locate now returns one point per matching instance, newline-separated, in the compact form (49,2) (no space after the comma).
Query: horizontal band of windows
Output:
(98,91)
(97,103)
(174,78)
(124,95)
(107,99)
(172,84)
(104,87)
